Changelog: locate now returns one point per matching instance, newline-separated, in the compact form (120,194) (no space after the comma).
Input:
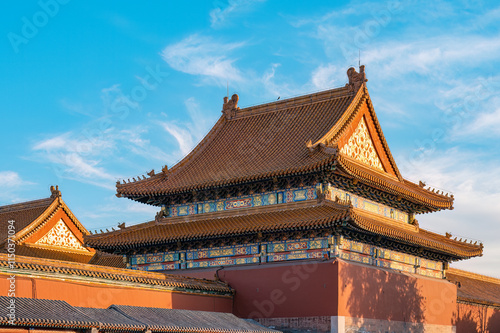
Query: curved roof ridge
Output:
(345,120)
(475,276)
(26,205)
(292,102)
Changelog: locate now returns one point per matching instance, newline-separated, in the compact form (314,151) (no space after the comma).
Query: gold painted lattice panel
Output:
(61,236)
(360,146)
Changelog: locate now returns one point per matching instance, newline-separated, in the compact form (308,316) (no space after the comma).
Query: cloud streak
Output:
(188,133)
(220,15)
(476,197)
(204,57)
(11,183)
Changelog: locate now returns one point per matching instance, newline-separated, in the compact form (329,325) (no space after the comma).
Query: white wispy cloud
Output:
(114,100)
(430,56)
(188,133)
(327,76)
(487,124)
(476,197)
(11,179)
(271,86)
(182,135)
(11,184)
(97,152)
(73,156)
(203,56)
(96,159)
(105,215)
(220,15)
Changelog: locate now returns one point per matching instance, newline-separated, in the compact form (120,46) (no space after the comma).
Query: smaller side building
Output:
(478,301)
(95,286)
(47,228)
(42,256)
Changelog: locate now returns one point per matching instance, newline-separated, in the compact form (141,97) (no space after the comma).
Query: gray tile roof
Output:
(112,319)
(59,314)
(44,313)
(174,320)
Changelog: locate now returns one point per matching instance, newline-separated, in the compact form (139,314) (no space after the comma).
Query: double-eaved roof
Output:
(306,215)
(294,136)
(54,314)
(333,135)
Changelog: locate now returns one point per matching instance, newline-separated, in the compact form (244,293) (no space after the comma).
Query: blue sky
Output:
(94,91)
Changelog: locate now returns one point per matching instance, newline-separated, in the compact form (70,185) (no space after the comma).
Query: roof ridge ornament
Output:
(230,106)
(356,79)
(55,193)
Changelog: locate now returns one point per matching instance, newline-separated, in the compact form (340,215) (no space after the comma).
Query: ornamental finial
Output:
(230,106)
(356,79)
(55,193)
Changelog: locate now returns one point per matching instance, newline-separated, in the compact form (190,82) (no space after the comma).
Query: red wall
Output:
(367,292)
(475,318)
(297,289)
(103,295)
(335,288)
(285,290)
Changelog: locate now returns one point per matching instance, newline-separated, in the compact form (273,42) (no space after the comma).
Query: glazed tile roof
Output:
(31,217)
(70,270)
(292,216)
(294,136)
(393,185)
(260,142)
(173,320)
(23,213)
(44,313)
(56,254)
(475,288)
(106,259)
(54,314)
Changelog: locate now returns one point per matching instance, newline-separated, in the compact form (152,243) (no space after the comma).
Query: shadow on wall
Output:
(368,293)
(477,319)
(468,321)
(494,322)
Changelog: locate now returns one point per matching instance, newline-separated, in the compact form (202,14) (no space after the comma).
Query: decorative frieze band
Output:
(286,196)
(314,248)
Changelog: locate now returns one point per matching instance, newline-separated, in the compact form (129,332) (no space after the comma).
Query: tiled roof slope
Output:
(110,319)
(282,217)
(44,313)
(259,142)
(56,254)
(475,288)
(400,188)
(23,214)
(54,314)
(70,270)
(294,136)
(106,259)
(173,320)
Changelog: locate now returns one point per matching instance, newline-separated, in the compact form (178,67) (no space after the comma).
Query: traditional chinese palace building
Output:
(300,207)
(289,216)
